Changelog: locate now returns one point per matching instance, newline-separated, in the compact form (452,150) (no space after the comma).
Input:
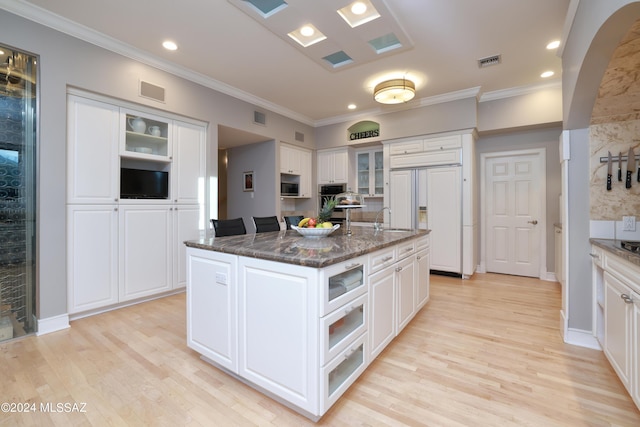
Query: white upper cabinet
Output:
(333,166)
(189,163)
(369,176)
(145,136)
(92,151)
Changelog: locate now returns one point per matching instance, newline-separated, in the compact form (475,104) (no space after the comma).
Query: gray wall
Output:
(261,159)
(66,61)
(527,139)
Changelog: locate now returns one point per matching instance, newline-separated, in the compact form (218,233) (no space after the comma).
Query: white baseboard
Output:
(581,338)
(550,277)
(52,324)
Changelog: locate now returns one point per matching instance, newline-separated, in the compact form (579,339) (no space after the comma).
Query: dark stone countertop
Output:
(291,248)
(613,246)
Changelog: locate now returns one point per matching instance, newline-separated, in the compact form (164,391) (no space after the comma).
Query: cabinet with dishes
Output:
(369,174)
(128,166)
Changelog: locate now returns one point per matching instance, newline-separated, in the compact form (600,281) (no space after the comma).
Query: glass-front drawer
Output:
(339,328)
(342,371)
(342,283)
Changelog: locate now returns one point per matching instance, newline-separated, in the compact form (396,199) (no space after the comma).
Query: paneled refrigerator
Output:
(431,198)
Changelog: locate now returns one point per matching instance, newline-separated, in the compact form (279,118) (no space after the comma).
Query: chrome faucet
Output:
(376,225)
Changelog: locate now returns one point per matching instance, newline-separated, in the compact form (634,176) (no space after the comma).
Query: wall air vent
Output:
(299,136)
(151,91)
(259,118)
(489,61)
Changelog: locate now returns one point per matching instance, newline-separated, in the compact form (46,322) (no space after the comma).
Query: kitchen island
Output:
(299,318)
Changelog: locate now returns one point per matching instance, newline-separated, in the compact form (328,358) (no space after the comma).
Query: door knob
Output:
(534,222)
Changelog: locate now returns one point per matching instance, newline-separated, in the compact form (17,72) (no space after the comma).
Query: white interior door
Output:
(513,209)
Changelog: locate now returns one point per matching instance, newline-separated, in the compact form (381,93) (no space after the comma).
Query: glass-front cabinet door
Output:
(370,173)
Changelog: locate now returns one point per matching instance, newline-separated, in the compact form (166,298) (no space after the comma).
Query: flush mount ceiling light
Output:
(394,91)
(358,13)
(307,35)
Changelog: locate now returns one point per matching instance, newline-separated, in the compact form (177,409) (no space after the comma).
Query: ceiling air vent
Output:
(259,118)
(299,136)
(489,61)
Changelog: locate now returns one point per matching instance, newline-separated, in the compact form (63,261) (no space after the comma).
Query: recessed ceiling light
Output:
(169,45)
(307,35)
(358,8)
(358,13)
(351,106)
(546,74)
(307,31)
(553,45)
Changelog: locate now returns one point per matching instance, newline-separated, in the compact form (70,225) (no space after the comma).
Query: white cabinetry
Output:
(333,166)
(188,164)
(617,306)
(445,218)
(445,201)
(92,239)
(146,243)
(143,238)
(296,166)
(211,303)
(92,151)
(369,174)
(300,333)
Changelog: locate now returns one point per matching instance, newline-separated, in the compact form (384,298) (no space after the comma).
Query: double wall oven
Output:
(326,191)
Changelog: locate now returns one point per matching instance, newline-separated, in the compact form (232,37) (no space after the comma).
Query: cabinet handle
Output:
(558,231)
(594,256)
(418,257)
(352,266)
(348,310)
(115,200)
(398,269)
(387,258)
(626,298)
(408,249)
(115,209)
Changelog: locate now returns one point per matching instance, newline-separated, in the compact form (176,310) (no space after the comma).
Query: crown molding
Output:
(422,102)
(71,28)
(519,91)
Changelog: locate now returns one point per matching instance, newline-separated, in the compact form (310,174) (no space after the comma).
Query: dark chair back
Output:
(266,223)
(228,227)
(292,220)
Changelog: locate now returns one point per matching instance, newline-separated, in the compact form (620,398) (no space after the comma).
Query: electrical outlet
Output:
(628,223)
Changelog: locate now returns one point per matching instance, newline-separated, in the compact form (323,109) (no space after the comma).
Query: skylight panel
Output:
(266,8)
(385,43)
(338,59)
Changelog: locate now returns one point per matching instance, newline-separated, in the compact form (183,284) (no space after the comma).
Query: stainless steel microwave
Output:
(289,189)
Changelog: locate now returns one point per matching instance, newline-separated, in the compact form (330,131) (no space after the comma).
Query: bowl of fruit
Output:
(309,227)
(319,226)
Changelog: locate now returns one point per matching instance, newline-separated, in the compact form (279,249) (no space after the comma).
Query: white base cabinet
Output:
(617,305)
(92,264)
(299,334)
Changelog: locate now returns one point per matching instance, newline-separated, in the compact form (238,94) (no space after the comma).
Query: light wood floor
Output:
(483,352)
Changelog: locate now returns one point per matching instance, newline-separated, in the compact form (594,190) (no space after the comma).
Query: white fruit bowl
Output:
(315,232)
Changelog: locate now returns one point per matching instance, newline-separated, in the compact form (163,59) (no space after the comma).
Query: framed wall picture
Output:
(247,181)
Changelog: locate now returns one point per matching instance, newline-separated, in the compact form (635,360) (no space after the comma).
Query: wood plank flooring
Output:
(483,352)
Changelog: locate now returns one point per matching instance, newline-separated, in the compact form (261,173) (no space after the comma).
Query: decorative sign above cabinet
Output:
(364,129)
